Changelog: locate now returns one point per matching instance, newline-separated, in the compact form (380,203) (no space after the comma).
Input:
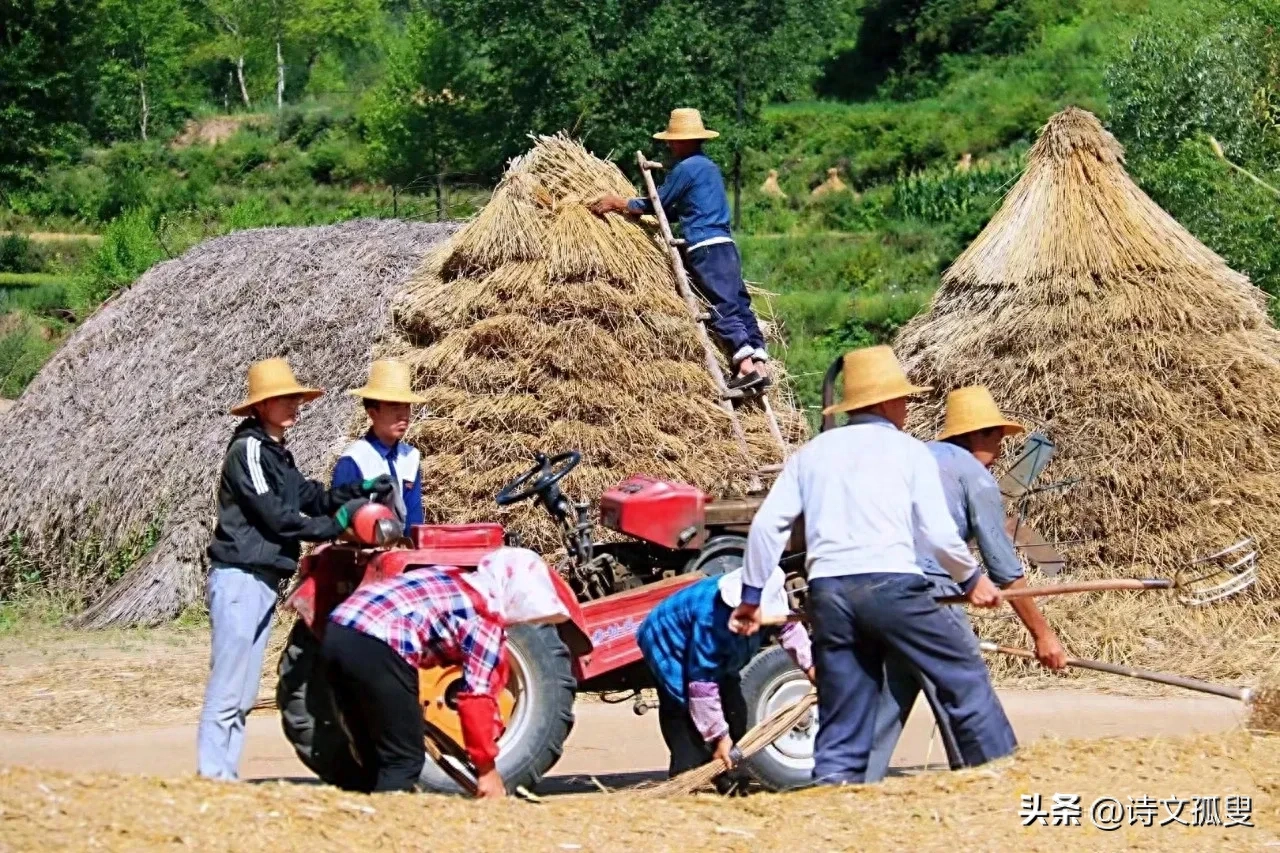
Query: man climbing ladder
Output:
(694,193)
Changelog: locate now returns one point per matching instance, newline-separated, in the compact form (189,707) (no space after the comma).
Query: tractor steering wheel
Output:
(547,471)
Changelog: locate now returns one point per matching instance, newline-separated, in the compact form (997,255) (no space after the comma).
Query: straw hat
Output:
(272,378)
(685,124)
(872,375)
(972,409)
(388,383)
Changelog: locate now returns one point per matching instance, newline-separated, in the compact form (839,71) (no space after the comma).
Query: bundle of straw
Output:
(762,735)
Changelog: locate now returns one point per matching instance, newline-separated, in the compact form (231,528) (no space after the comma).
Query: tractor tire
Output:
(721,554)
(541,677)
(308,715)
(770,682)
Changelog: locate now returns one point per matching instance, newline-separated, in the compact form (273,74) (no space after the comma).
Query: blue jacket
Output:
(686,638)
(401,459)
(693,193)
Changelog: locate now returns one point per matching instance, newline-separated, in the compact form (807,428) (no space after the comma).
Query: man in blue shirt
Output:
(967,447)
(388,399)
(694,194)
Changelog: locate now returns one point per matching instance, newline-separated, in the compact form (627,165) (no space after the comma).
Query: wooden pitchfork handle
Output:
(1242,694)
(1067,588)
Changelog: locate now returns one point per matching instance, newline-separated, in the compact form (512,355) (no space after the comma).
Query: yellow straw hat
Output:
(685,124)
(972,409)
(389,382)
(272,378)
(872,375)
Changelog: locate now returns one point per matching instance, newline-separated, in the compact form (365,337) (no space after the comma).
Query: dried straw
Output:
(126,426)
(1087,308)
(1264,711)
(542,327)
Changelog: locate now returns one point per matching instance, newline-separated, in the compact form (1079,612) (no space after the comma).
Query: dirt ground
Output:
(97,736)
(972,810)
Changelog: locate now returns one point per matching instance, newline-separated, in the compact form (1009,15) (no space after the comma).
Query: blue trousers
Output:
(717,271)
(858,620)
(241,606)
(903,683)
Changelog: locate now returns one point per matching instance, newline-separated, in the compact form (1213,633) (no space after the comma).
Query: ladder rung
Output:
(704,317)
(676,241)
(732,394)
(649,164)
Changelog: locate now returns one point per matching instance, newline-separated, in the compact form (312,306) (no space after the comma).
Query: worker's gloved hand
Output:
(378,487)
(348,511)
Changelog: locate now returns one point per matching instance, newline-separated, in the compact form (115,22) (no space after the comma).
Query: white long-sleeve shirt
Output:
(868,493)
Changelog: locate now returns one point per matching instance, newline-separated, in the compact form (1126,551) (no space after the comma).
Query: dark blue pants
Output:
(857,621)
(717,271)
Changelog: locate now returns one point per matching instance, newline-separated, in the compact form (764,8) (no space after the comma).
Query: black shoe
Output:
(749,384)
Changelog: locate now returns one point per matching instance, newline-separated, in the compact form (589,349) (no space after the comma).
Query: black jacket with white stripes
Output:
(266,507)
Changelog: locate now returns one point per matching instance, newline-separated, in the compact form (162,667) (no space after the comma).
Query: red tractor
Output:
(678,537)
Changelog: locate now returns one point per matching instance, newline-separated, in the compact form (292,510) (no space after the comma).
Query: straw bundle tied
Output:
(126,427)
(543,327)
(1152,364)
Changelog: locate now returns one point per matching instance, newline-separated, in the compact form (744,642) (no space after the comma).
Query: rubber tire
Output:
(307,712)
(523,763)
(720,555)
(759,676)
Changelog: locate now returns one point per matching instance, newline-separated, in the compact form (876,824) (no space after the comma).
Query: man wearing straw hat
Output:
(969,444)
(388,399)
(266,508)
(871,496)
(694,194)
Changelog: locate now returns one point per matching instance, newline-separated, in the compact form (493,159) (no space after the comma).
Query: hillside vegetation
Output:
(210,116)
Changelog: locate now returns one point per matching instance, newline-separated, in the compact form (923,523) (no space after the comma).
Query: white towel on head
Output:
(517,587)
(774,603)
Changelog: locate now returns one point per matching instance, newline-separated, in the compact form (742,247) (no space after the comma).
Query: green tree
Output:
(145,47)
(233,23)
(334,27)
(424,118)
(43,77)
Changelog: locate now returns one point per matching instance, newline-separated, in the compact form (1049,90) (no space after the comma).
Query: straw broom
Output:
(760,736)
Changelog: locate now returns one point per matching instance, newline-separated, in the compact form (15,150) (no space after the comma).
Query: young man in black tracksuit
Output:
(266,509)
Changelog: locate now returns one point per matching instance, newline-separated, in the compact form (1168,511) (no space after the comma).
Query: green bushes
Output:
(25,345)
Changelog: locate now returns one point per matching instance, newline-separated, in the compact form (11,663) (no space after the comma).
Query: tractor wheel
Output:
(307,712)
(721,554)
(769,683)
(539,717)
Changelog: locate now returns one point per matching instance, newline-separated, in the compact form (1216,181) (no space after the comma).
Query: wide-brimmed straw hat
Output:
(269,378)
(872,375)
(389,382)
(685,123)
(973,409)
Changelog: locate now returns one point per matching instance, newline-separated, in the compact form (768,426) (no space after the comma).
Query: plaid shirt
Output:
(430,620)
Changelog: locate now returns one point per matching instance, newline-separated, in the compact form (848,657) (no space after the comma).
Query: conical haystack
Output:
(542,327)
(831,185)
(111,455)
(770,186)
(1089,311)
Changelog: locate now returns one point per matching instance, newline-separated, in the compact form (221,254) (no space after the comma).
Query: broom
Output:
(761,735)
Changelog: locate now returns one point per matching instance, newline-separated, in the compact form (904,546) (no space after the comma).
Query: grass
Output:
(9,280)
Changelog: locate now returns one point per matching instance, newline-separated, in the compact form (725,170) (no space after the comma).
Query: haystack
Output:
(542,327)
(831,185)
(117,443)
(1089,311)
(771,188)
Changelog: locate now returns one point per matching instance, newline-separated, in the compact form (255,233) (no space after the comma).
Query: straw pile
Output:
(969,810)
(831,186)
(771,188)
(542,327)
(1088,309)
(126,427)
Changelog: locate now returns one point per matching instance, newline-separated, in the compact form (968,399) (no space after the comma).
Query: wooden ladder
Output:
(726,394)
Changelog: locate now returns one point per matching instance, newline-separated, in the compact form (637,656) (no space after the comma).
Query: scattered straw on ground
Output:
(971,810)
(1090,312)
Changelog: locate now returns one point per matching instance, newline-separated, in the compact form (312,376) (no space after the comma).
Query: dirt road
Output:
(617,748)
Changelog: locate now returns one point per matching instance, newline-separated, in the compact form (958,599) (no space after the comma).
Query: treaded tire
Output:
(534,740)
(773,676)
(307,712)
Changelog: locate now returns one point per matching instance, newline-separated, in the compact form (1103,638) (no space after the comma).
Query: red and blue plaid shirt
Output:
(429,618)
